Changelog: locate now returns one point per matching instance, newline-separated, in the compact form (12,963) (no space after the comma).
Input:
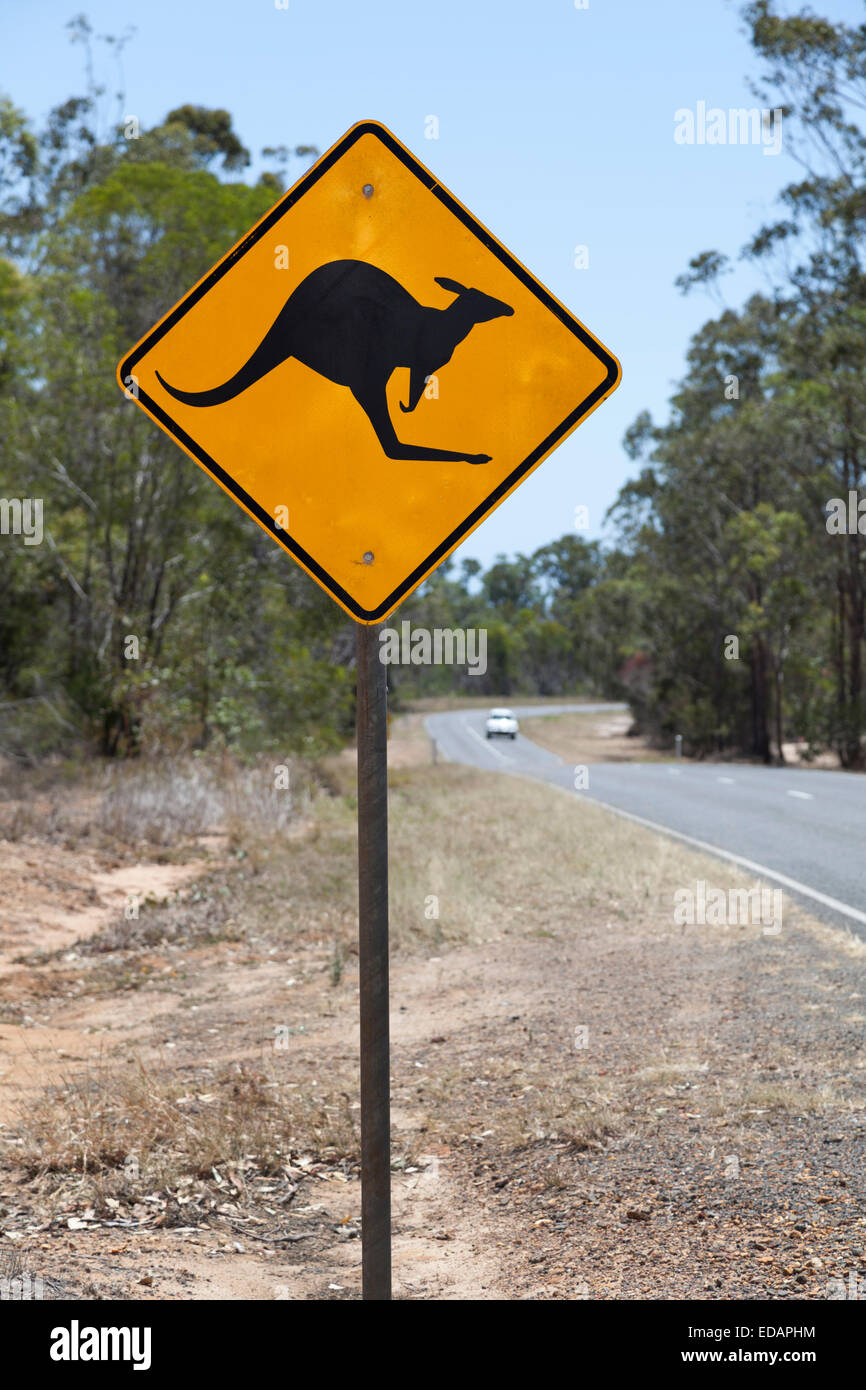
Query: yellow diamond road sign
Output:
(368,372)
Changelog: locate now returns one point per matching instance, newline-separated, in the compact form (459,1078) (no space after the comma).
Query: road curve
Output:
(806,830)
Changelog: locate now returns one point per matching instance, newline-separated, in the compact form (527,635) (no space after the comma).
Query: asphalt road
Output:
(805,830)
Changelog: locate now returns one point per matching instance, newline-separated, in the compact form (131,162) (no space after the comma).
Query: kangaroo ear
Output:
(453,285)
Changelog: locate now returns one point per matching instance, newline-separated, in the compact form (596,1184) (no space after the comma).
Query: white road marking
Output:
(804,796)
(486,743)
(728,780)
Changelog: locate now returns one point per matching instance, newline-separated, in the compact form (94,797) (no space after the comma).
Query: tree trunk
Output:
(760,720)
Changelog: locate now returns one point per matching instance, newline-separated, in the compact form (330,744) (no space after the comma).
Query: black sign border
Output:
(127,370)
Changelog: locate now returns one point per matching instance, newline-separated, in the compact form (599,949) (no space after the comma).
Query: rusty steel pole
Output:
(372,714)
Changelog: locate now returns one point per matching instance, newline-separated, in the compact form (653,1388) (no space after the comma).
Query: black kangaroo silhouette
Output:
(354,324)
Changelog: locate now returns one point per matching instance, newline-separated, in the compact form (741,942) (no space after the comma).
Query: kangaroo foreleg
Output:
(374,403)
(417,383)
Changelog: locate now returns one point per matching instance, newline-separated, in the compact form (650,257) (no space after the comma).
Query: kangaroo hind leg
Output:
(374,403)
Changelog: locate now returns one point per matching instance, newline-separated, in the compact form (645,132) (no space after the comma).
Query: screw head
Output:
(367,190)
(368,557)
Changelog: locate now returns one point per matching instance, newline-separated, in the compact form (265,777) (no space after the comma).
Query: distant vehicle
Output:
(501,724)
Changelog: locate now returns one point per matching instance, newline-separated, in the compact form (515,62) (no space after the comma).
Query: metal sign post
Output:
(372,714)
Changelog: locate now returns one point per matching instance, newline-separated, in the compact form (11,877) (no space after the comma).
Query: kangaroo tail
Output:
(217,396)
(264,359)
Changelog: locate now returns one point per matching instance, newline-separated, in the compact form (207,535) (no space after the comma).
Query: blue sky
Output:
(555,128)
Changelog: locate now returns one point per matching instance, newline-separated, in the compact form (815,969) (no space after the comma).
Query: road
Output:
(803,829)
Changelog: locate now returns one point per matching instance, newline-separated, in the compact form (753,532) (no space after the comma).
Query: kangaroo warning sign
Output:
(368,372)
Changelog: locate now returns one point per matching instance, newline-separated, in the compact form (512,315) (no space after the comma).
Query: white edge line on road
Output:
(792,883)
(804,796)
(485,743)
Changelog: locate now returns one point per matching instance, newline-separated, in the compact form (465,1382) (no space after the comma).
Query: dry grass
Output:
(591,738)
(777,1097)
(144,1130)
(668,1074)
(511,1106)
(729,1096)
(35,815)
(158,805)
(461,841)
(467,837)
(205,916)
(460,844)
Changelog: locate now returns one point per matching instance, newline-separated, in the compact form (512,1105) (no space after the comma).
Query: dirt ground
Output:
(589,1100)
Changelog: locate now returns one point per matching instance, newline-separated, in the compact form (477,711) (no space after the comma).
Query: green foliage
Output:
(212,134)
(156,615)
(99,235)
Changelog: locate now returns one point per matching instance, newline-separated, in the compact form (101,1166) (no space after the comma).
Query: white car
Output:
(501,723)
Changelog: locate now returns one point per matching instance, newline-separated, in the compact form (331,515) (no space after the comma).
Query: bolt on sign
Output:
(368,372)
